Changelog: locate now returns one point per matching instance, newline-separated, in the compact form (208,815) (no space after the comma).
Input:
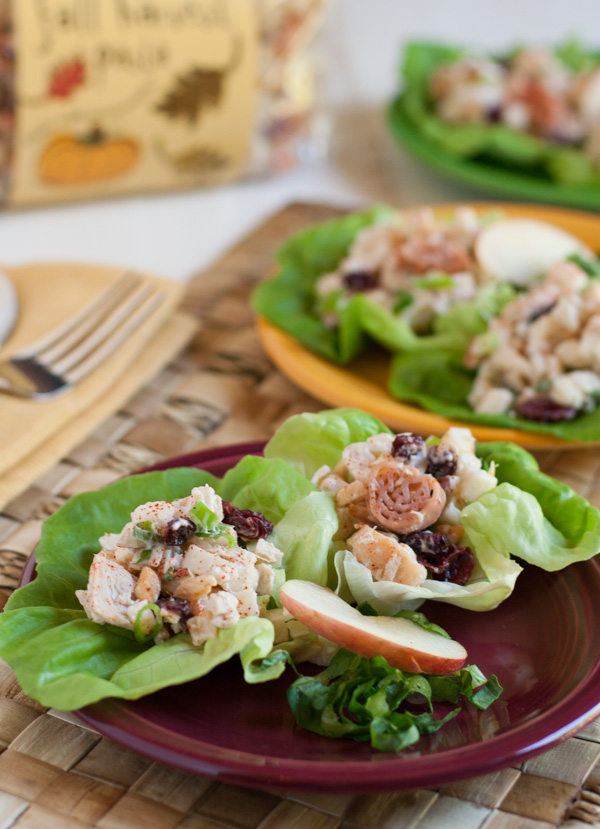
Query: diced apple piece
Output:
(402,643)
(520,251)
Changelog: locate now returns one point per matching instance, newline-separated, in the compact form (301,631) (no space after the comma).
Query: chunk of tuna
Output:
(109,594)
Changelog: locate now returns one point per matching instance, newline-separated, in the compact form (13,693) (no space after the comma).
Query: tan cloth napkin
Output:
(34,434)
(168,341)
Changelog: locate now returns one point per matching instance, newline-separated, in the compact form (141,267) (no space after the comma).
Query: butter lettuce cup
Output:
(408,281)
(158,578)
(444,519)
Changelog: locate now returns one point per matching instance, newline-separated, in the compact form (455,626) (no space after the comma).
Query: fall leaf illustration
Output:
(193,92)
(66,77)
(199,88)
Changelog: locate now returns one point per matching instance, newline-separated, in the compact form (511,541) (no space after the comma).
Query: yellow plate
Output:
(363,384)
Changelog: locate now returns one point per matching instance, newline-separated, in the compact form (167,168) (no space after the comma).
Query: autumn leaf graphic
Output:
(198,89)
(66,77)
(193,92)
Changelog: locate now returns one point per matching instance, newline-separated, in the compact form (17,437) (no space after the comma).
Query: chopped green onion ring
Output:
(138,627)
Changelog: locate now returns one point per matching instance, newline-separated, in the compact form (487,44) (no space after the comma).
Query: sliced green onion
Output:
(143,532)
(143,556)
(544,385)
(403,300)
(330,303)
(591,267)
(144,525)
(205,519)
(433,280)
(220,531)
(485,344)
(141,629)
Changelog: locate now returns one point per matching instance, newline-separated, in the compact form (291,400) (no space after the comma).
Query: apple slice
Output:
(401,642)
(521,250)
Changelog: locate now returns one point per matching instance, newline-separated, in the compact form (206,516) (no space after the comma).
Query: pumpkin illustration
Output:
(72,159)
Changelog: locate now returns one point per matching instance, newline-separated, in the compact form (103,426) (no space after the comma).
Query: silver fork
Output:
(74,348)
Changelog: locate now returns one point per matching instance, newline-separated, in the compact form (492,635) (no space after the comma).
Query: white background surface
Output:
(178,235)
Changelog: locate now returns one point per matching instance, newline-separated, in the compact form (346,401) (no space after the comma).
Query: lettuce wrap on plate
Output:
(407,281)
(524,123)
(489,320)
(435,519)
(146,536)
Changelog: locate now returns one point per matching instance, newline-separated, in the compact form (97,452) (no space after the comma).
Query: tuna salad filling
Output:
(414,264)
(533,92)
(195,565)
(540,358)
(399,499)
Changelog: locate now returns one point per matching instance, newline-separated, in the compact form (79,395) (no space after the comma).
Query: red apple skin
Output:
(367,643)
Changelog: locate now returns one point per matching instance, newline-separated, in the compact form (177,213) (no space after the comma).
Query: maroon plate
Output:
(543,643)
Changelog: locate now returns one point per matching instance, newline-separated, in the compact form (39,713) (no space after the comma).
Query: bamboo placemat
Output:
(56,773)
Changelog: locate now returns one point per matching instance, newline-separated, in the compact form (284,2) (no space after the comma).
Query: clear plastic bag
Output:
(291,125)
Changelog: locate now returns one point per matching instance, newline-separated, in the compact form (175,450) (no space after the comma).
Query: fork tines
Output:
(73,349)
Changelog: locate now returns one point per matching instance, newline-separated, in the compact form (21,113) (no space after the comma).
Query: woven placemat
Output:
(56,773)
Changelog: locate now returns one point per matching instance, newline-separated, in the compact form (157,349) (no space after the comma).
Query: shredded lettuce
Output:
(360,699)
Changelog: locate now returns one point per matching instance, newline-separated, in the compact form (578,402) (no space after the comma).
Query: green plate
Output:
(494,178)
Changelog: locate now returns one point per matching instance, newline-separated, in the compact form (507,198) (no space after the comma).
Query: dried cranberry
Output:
(407,445)
(459,565)
(178,530)
(176,607)
(441,460)
(424,543)
(358,281)
(545,410)
(247,523)
(494,114)
(444,560)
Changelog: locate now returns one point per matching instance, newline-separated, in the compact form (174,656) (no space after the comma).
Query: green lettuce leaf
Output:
(394,333)
(309,441)
(550,525)
(288,299)
(466,320)
(264,486)
(64,660)
(440,383)
(305,534)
